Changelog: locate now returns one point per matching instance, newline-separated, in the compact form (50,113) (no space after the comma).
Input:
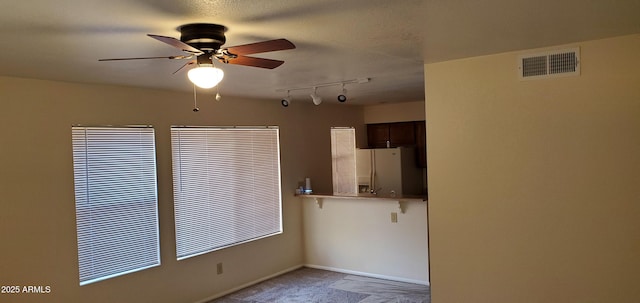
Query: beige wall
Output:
(358,236)
(394,112)
(37,214)
(534,186)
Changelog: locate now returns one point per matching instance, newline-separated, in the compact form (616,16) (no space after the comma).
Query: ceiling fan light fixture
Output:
(205,76)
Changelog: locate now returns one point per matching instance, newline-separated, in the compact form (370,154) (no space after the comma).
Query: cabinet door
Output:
(377,135)
(402,134)
(421,144)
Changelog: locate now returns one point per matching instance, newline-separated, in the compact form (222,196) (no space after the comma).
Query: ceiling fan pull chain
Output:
(218,97)
(195,100)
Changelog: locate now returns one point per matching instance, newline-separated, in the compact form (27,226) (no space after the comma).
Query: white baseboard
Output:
(366,274)
(222,294)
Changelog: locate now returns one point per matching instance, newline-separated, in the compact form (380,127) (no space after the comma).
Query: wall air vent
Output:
(549,64)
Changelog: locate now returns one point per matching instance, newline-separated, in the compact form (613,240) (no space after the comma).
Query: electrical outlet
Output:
(394,217)
(219,268)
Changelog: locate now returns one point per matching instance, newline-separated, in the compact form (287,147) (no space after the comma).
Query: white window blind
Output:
(343,160)
(116,201)
(226,185)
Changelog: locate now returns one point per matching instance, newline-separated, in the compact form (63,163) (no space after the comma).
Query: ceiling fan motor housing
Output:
(203,36)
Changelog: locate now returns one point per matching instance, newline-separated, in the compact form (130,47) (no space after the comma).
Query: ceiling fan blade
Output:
(188,63)
(255,62)
(261,47)
(142,58)
(177,44)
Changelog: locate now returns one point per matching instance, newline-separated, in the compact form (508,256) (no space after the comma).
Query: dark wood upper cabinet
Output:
(377,135)
(402,134)
(421,143)
(399,134)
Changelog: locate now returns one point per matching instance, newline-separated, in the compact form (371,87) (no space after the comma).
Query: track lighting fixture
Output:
(315,97)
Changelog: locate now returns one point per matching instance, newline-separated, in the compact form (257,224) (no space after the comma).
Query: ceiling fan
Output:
(203,41)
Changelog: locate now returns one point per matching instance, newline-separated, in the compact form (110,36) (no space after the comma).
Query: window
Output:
(226,184)
(116,201)
(343,160)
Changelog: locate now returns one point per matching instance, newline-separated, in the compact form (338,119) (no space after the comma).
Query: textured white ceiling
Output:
(387,41)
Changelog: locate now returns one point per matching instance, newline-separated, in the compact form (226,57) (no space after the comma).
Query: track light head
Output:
(315,98)
(286,101)
(343,97)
